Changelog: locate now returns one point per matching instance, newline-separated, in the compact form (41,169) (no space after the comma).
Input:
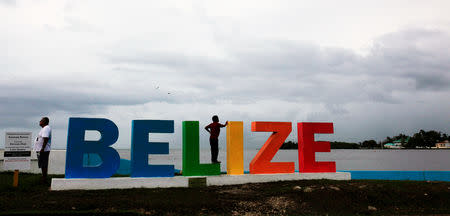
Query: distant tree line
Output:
(289,145)
(421,139)
(344,145)
(333,145)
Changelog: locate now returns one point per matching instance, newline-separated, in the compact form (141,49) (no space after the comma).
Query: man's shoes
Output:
(216,162)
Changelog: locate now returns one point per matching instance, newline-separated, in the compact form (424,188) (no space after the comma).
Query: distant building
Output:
(444,144)
(397,144)
(393,146)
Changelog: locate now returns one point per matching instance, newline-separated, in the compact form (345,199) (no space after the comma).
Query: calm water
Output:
(345,159)
(407,160)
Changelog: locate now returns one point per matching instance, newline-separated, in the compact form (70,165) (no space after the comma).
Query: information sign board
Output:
(17,154)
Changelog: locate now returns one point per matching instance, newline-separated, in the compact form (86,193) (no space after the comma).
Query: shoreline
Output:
(348,160)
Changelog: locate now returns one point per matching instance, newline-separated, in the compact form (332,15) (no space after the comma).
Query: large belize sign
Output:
(141,130)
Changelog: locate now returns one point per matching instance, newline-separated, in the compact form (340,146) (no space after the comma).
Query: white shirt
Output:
(46,132)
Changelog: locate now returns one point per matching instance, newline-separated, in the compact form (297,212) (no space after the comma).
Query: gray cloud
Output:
(418,55)
(391,75)
(299,72)
(26,102)
(8,2)
(73,24)
(278,80)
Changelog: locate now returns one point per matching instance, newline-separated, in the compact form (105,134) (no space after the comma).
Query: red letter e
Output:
(307,147)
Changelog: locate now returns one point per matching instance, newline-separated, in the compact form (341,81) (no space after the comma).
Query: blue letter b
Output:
(77,147)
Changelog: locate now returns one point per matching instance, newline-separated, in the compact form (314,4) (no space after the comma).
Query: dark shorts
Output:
(43,159)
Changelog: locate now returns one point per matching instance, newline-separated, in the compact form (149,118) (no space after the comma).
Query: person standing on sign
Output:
(42,147)
(214,131)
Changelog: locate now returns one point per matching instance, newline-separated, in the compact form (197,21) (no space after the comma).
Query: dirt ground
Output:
(309,197)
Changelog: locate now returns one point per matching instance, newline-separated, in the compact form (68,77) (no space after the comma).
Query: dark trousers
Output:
(43,159)
(214,143)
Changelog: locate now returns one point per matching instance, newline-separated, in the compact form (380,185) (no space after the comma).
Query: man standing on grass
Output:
(214,131)
(42,147)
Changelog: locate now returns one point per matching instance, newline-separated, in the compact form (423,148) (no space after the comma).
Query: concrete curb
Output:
(118,183)
(261,178)
(183,181)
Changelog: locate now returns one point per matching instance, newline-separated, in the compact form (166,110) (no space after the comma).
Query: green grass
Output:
(279,198)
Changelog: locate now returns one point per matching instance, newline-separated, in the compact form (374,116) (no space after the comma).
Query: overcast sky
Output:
(373,68)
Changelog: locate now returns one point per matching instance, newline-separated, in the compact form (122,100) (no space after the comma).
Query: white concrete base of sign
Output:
(261,178)
(118,183)
(183,181)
